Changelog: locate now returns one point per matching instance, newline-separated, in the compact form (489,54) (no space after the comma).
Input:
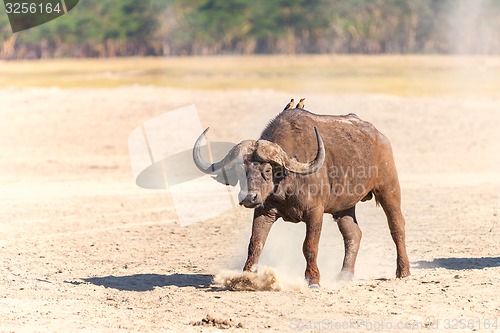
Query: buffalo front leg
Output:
(262,223)
(349,228)
(314,223)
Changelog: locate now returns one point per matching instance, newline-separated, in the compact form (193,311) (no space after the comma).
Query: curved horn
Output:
(244,147)
(270,151)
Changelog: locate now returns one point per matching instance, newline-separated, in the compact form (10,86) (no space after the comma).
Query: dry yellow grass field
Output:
(336,74)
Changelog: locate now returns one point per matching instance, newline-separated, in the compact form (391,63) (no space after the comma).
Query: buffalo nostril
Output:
(250,199)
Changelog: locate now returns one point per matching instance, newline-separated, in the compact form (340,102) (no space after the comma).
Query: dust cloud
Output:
(470,27)
(282,264)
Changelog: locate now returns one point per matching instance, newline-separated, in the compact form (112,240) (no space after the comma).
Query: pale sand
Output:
(84,249)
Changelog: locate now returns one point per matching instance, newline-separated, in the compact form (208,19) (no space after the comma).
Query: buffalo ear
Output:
(227,177)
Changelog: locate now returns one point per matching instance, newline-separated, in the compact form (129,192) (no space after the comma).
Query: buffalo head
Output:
(258,165)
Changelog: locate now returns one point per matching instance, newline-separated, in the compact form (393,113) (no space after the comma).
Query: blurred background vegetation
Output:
(111,28)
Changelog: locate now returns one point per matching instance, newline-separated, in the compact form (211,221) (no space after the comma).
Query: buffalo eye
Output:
(268,173)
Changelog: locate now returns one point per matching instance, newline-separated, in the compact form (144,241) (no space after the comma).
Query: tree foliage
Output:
(194,27)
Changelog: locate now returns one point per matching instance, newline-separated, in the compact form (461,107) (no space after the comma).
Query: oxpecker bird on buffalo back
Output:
(305,165)
(289,105)
(300,104)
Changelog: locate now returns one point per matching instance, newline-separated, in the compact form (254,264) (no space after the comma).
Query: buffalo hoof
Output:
(403,274)
(345,276)
(314,286)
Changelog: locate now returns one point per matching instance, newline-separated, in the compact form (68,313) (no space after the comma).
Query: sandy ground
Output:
(84,249)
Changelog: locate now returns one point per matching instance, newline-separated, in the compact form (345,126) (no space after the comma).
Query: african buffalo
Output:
(305,165)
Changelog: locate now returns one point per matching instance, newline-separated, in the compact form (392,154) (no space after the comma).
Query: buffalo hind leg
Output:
(314,222)
(390,200)
(349,228)
(262,223)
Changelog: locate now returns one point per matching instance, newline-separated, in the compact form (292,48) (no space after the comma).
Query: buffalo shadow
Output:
(147,282)
(459,263)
